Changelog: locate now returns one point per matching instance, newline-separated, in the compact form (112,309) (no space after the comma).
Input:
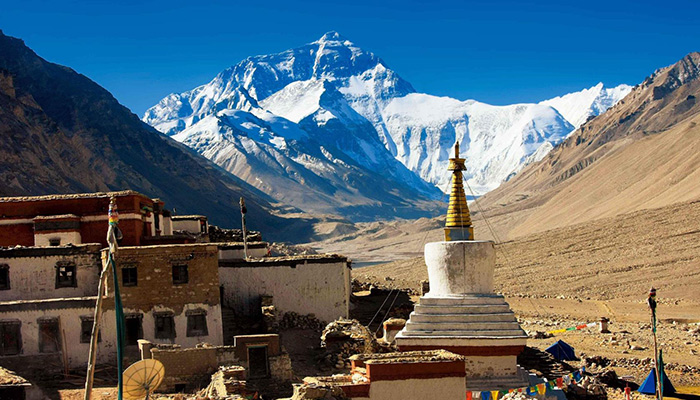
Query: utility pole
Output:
(244,210)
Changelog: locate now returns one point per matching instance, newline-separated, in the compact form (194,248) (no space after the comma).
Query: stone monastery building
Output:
(177,287)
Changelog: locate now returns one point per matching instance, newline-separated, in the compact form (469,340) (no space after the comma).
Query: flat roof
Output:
(44,251)
(71,196)
(48,304)
(406,357)
(239,245)
(176,217)
(284,261)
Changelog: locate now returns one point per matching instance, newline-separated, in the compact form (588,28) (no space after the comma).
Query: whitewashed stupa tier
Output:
(463,315)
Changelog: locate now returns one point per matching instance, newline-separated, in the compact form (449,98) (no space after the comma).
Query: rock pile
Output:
(343,338)
(589,387)
(284,249)
(317,391)
(217,235)
(292,320)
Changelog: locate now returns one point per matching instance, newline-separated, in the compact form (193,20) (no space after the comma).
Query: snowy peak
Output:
(242,86)
(578,107)
(333,36)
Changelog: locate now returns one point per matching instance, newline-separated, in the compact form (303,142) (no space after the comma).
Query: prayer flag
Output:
(541,388)
(560,382)
(494,394)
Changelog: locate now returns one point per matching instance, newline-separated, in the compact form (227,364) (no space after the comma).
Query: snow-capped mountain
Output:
(578,107)
(328,127)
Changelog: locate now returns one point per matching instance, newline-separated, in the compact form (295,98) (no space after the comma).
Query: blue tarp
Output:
(649,384)
(562,351)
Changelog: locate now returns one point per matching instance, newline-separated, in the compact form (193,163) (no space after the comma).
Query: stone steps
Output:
(492,317)
(476,334)
(461,326)
(462,309)
(475,299)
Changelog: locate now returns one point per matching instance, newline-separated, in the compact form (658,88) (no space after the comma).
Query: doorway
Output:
(258,366)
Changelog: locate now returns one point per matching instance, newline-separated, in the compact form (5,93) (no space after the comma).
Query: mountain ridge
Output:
(348,100)
(63,133)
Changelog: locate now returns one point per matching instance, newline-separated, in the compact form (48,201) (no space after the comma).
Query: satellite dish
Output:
(142,378)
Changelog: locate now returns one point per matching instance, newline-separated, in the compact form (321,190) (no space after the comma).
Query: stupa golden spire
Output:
(459,223)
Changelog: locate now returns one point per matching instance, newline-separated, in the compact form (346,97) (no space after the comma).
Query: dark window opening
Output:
(55,242)
(49,338)
(165,325)
(4,277)
(180,387)
(134,329)
(258,366)
(180,274)
(129,276)
(86,324)
(10,338)
(197,323)
(65,274)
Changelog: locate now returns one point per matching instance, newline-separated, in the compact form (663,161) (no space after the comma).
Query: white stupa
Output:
(461,313)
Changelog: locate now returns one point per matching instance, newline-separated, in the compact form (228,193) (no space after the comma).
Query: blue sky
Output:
(499,52)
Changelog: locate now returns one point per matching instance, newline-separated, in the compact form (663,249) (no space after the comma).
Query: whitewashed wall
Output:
(452,388)
(322,289)
(33,278)
(70,325)
(43,239)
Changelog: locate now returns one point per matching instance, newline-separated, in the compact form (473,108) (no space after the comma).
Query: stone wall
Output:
(189,366)
(155,290)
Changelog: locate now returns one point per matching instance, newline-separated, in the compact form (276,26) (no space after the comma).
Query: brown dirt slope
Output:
(616,258)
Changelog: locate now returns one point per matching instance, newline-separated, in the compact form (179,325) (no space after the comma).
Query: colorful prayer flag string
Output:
(539,389)
(574,328)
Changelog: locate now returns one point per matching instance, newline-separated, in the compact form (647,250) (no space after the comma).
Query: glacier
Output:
(329,128)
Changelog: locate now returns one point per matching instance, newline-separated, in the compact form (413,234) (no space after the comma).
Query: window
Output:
(55,242)
(86,323)
(180,274)
(49,339)
(129,276)
(165,325)
(197,323)
(65,274)
(10,337)
(4,277)
(134,328)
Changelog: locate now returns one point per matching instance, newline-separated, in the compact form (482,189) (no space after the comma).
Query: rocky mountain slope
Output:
(62,133)
(342,118)
(642,153)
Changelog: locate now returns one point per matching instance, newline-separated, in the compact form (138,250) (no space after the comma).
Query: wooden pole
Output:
(652,306)
(97,317)
(244,210)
